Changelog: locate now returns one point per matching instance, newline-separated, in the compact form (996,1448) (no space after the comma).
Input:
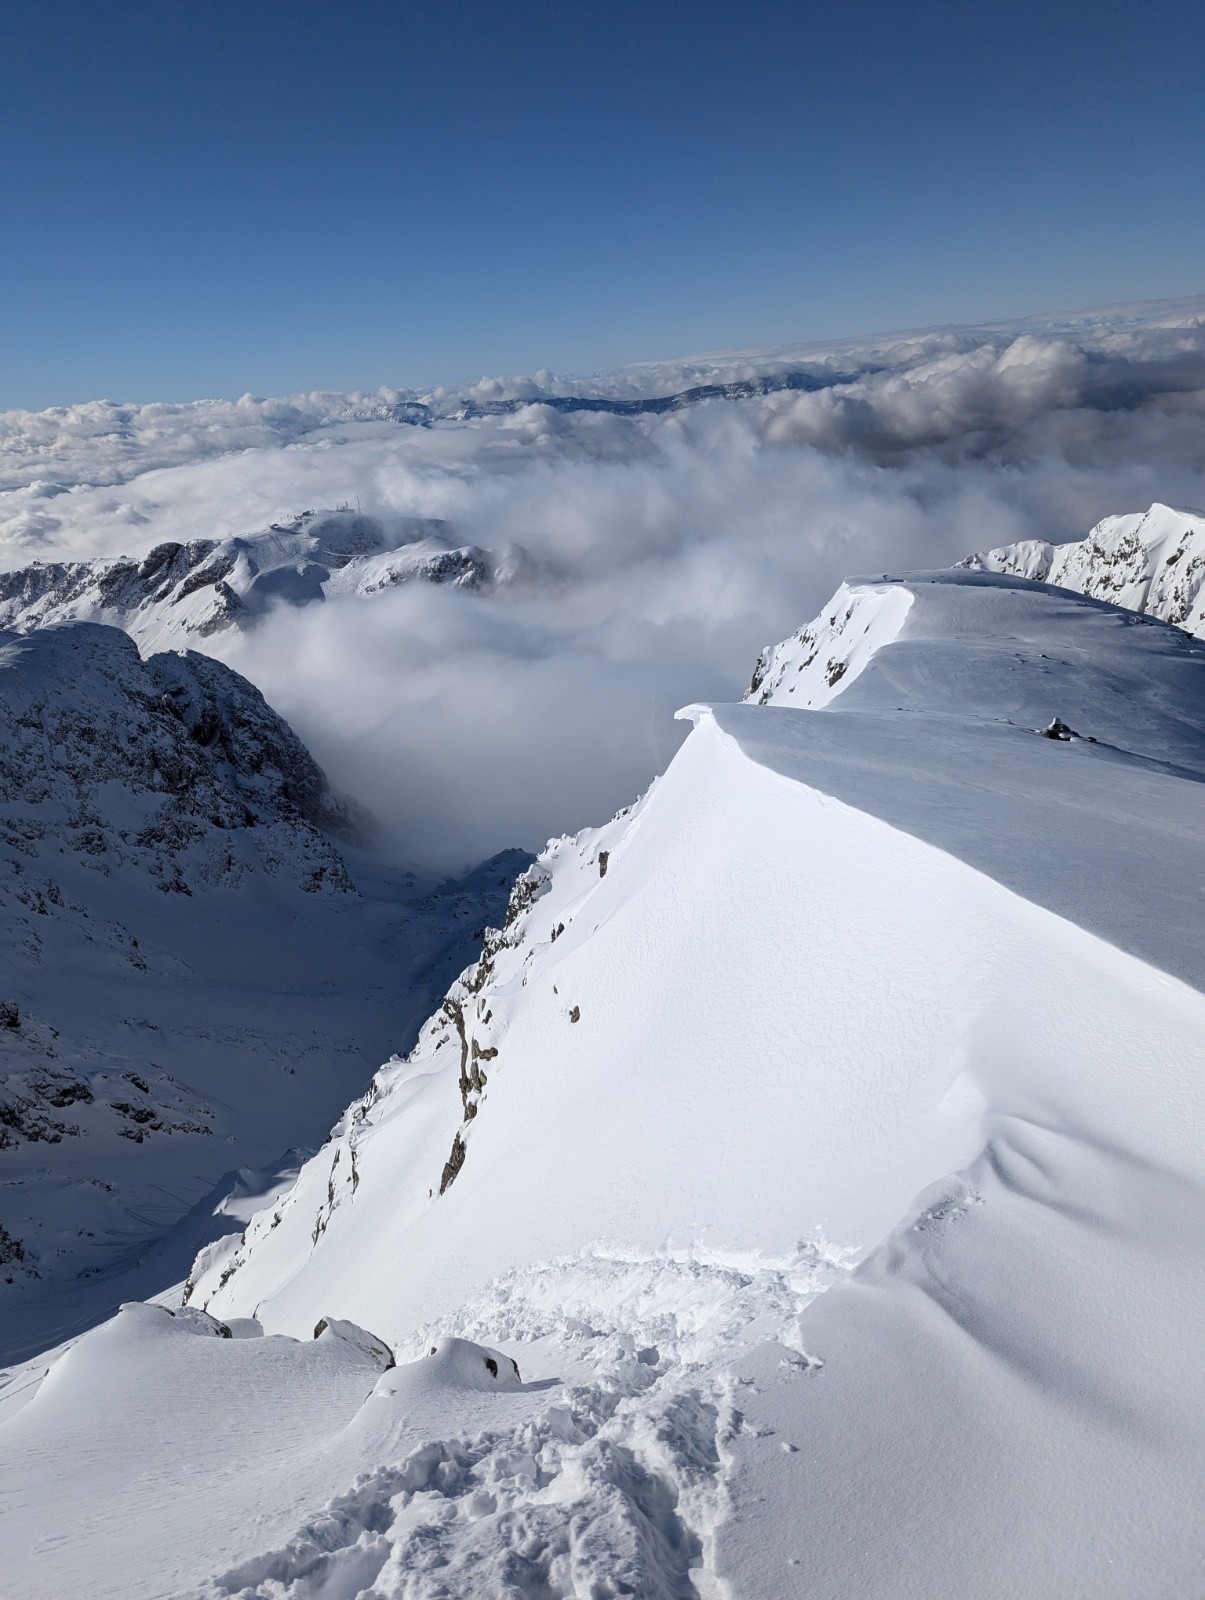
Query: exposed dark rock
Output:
(453,1164)
(10,1249)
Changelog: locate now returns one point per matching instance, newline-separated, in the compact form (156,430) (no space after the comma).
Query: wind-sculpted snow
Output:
(191,979)
(1129,693)
(935,936)
(1152,562)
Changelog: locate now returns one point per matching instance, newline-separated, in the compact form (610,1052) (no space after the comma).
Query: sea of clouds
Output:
(665,549)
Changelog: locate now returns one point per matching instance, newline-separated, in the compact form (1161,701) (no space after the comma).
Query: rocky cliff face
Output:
(183,593)
(1152,561)
(174,767)
(197,967)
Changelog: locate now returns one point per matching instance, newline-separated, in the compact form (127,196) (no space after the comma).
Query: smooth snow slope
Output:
(724,967)
(898,945)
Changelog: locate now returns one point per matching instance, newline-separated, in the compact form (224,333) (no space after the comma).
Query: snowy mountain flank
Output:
(801,1194)
(1153,562)
(181,594)
(190,973)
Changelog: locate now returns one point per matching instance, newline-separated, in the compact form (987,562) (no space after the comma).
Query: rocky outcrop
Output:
(813,666)
(174,767)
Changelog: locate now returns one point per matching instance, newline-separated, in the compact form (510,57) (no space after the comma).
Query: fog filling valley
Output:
(652,554)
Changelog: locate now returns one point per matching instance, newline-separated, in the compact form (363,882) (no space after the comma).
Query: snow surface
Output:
(820,1138)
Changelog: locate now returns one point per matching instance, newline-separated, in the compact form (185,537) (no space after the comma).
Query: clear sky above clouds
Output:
(229,195)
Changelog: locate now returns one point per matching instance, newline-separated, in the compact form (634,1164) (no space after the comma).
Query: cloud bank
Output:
(666,549)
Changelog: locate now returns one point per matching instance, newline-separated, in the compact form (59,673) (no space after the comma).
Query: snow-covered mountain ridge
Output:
(1151,561)
(819,1137)
(184,594)
(191,977)
(180,594)
(1132,694)
(821,968)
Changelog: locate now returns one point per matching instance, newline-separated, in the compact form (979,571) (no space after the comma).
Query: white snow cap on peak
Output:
(1148,561)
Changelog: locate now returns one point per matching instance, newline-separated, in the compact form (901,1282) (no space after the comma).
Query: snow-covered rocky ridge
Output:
(198,963)
(911,979)
(1151,561)
(181,594)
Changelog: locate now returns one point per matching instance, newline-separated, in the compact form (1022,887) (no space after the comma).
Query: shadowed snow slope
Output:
(191,980)
(900,944)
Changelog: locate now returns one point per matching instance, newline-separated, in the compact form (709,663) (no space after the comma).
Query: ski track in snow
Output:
(612,1483)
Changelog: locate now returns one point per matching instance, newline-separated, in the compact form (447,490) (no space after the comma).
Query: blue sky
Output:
(200,197)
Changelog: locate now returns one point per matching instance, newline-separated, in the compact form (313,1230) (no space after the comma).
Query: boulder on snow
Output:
(190,1317)
(198,1321)
(365,1344)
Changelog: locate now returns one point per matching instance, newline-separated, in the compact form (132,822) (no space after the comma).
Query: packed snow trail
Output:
(603,1465)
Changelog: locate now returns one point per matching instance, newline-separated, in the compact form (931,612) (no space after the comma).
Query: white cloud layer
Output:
(668,548)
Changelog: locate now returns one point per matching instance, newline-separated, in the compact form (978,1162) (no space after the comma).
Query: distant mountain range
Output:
(180,594)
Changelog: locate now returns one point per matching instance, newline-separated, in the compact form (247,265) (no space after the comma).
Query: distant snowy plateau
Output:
(792,1189)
